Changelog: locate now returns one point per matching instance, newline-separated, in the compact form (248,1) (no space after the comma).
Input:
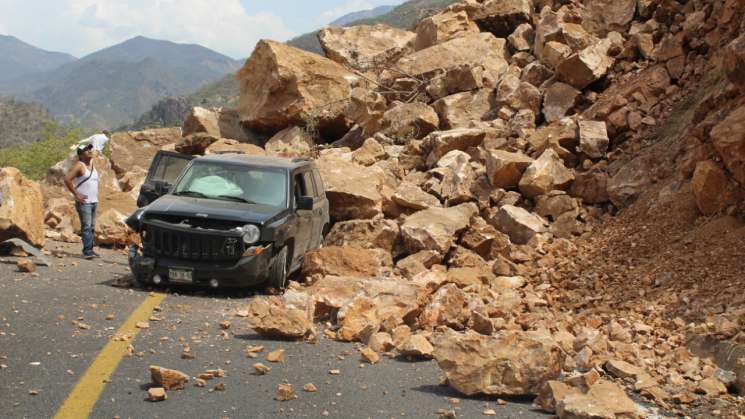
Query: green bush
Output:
(33,160)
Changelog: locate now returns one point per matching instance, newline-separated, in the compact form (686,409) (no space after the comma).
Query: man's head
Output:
(85,152)
(106,133)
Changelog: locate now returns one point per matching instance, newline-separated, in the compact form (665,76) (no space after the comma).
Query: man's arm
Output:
(75,171)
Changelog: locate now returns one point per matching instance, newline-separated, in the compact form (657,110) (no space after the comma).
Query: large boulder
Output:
(460,109)
(111,229)
(713,190)
(559,100)
(409,195)
(728,138)
(282,86)
(224,145)
(586,66)
(480,49)
(369,234)
(505,168)
(365,47)
(132,151)
(366,108)
(519,224)
(509,364)
(603,16)
(604,399)
(440,143)
(518,95)
(290,142)
(221,123)
(502,17)
(443,27)
(353,190)
(21,208)
(734,62)
(346,261)
(410,120)
(546,174)
(288,316)
(436,228)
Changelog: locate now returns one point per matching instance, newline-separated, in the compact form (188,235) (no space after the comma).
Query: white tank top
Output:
(90,187)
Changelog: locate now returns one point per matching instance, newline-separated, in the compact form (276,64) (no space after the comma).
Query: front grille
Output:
(191,245)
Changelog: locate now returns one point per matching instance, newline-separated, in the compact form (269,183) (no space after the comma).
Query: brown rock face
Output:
(511,364)
(224,145)
(460,109)
(728,138)
(604,400)
(111,229)
(221,123)
(603,16)
(447,307)
(713,190)
(195,143)
(436,228)
(558,100)
(370,234)
(345,261)
(519,224)
(479,49)
(365,47)
(502,17)
(440,143)
(408,195)
(131,151)
(410,120)
(587,66)
(443,27)
(505,169)
(518,95)
(366,109)
(282,86)
(21,208)
(522,38)
(734,62)
(289,316)
(353,190)
(290,142)
(416,346)
(552,393)
(546,174)
(167,378)
(591,187)
(593,138)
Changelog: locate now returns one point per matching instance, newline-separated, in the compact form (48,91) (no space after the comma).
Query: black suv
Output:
(227,220)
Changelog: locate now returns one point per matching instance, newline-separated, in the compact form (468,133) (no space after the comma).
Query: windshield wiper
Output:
(235,198)
(191,193)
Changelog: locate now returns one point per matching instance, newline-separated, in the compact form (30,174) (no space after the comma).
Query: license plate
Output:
(180,275)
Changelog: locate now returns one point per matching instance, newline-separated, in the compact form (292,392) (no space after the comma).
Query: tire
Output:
(278,270)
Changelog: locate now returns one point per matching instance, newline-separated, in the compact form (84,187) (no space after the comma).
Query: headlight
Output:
(251,234)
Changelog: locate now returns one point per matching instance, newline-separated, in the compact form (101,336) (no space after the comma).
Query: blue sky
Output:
(232,27)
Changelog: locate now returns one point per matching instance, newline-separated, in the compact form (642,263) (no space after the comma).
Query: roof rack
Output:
(301,159)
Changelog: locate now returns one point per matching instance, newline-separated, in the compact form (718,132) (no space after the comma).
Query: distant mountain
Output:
(114,86)
(364,14)
(18,58)
(23,123)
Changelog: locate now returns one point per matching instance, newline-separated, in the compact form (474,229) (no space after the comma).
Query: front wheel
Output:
(278,270)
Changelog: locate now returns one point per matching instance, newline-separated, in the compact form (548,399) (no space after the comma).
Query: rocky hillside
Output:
(545,197)
(22,123)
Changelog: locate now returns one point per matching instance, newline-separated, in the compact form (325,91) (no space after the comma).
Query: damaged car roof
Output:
(255,160)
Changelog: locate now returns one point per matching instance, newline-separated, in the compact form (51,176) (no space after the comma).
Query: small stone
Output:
(198,382)
(219,387)
(110,317)
(167,378)
(261,369)
(224,325)
(334,372)
(156,394)
(285,392)
(142,325)
(370,355)
(277,355)
(490,412)
(310,388)
(26,265)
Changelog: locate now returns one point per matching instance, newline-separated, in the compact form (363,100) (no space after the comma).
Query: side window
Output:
(310,189)
(299,188)
(319,182)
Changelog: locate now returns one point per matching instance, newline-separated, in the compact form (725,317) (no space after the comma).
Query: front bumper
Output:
(246,271)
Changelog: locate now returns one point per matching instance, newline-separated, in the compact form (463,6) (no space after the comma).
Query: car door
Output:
(320,208)
(304,218)
(164,170)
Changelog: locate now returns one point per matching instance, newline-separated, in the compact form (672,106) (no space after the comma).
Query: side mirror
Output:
(162,188)
(305,203)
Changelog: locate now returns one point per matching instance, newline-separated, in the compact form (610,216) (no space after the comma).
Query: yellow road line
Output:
(80,402)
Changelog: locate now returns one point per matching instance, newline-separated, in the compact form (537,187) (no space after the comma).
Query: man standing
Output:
(82,181)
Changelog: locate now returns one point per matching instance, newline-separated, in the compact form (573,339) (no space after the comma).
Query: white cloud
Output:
(346,8)
(84,26)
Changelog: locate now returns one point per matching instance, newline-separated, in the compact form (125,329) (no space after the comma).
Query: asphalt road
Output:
(55,324)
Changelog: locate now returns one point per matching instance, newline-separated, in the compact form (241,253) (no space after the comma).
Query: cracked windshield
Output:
(236,183)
